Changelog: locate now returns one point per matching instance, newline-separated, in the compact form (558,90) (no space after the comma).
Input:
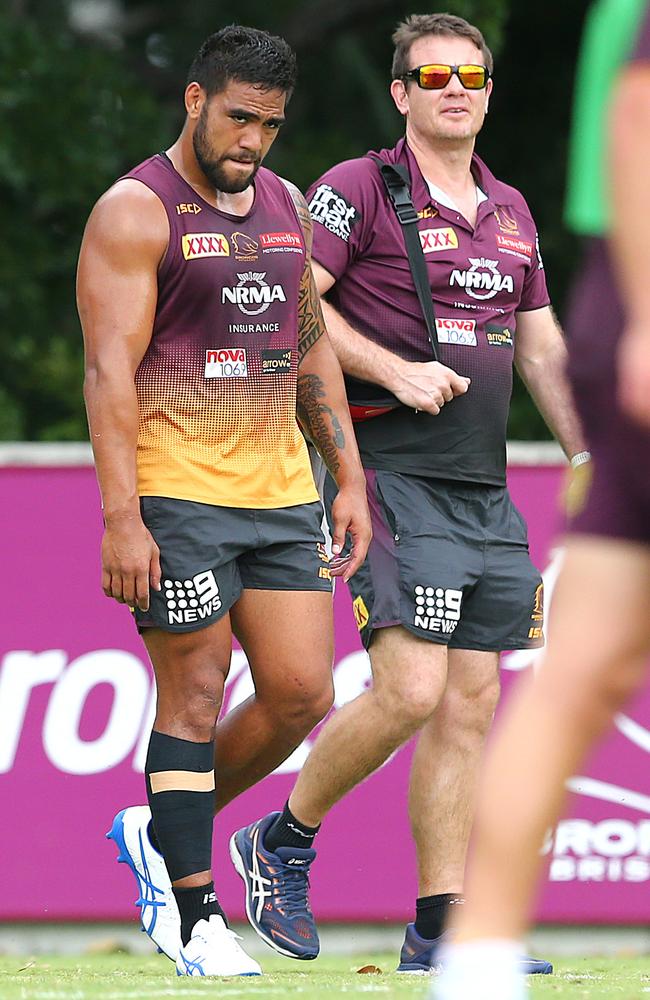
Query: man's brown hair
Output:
(420,25)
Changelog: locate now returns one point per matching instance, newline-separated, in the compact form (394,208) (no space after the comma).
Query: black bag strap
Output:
(397,182)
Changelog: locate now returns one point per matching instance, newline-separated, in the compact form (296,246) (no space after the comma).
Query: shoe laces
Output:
(225,935)
(290,891)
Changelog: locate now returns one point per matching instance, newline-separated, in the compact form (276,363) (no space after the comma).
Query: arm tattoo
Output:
(312,414)
(302,210)
(311,325)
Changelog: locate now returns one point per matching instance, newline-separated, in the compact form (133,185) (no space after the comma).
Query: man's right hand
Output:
(130,561)
(427,386)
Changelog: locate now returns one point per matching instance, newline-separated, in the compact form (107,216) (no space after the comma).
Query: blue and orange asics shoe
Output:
(158,910)
(277,885)
(420,955)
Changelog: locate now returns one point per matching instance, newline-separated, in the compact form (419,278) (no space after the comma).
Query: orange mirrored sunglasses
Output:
(436,76)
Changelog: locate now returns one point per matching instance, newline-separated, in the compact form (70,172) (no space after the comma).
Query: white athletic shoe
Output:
(480,970)
(158,910)
(213,951)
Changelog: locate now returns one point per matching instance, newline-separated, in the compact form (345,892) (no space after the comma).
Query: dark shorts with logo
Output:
(210,554)
(617,502)
(449,561)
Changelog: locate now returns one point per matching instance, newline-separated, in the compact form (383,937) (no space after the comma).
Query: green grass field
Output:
(129,977)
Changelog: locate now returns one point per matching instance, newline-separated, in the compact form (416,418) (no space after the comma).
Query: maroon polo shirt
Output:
(480,278)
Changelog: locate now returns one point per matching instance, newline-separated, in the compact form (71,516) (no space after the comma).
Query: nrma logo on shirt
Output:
(482,280)
(253,295)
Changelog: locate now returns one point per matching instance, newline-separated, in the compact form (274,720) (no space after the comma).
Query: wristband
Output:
(580,459)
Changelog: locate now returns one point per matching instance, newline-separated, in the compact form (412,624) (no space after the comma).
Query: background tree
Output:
(88,88)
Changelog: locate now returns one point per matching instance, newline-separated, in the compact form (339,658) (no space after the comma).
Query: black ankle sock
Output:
(431,913)
(197,903)
(287,831)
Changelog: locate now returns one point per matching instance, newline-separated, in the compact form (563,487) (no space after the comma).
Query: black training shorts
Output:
(449,562)
(210,554)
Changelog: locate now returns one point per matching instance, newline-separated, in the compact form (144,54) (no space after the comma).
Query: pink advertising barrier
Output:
(76,704)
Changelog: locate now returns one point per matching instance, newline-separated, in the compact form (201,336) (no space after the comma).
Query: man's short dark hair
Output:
(420,25)
(245,55)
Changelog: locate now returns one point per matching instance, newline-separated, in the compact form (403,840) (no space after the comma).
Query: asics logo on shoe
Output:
(297,861)
(258,891)
(209,897)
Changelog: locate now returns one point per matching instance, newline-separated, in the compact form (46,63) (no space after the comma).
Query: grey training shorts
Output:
(449,562)
(210,554)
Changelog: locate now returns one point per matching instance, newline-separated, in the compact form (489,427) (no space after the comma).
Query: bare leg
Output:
(445,767)
(595,662)
(292,671)
(409,676)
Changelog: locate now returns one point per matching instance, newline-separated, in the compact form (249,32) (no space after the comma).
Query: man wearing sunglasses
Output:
(448,583)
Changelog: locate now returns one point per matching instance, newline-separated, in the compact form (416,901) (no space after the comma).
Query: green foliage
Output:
(72,118)
(76,111)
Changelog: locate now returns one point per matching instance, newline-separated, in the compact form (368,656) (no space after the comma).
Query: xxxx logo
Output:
(197,245)
(438,239)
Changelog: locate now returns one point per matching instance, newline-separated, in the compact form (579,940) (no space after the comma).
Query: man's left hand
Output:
(350,515)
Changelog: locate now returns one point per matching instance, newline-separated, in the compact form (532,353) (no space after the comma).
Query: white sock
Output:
(486,969)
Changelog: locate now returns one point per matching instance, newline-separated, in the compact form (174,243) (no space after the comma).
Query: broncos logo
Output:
(245,247)
(507,223)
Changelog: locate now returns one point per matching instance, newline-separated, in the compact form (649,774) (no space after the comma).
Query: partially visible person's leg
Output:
(598,643)
(599,638)
(292,672)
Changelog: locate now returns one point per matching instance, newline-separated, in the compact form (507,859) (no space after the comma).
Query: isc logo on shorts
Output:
(191,600)
(437,609)
(226,362)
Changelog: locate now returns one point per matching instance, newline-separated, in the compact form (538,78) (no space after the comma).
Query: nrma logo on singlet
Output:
(482,280)
(253,295)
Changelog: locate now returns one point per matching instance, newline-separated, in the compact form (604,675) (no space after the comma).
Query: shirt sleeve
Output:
(343,206)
